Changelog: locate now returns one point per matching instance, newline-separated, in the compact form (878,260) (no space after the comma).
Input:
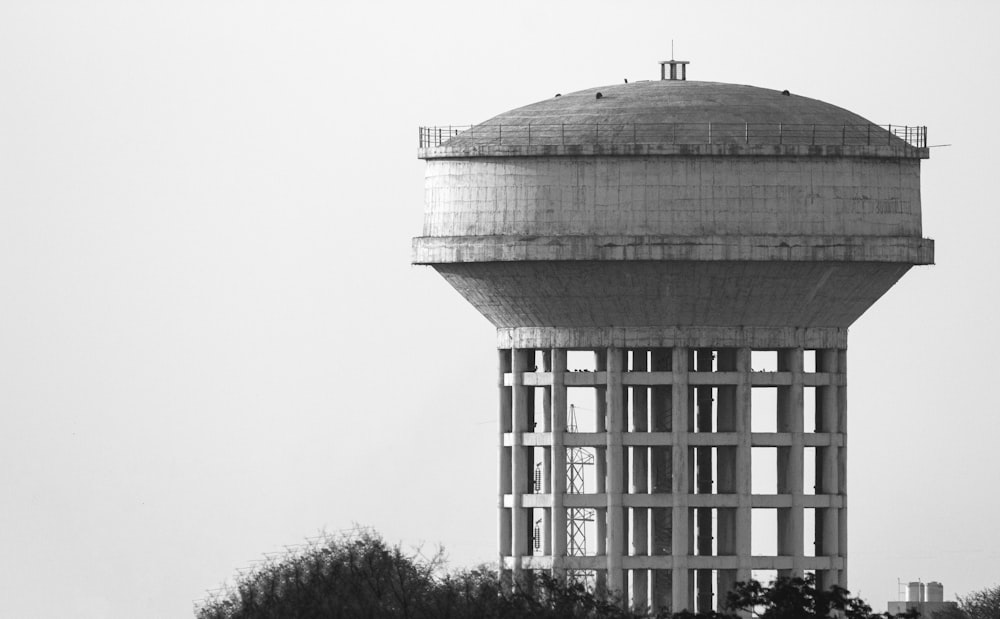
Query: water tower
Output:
(706,246)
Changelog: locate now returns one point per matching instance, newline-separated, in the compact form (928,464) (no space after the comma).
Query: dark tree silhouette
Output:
(798,598)
(356,575)
(982,604)
(359,575)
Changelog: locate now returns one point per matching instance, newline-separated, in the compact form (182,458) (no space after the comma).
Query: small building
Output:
(928,600)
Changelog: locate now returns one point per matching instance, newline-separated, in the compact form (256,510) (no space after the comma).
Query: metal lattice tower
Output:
(577,518)
(710,245)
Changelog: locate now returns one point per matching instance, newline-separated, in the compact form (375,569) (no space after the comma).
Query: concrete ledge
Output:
(666,499)
(536,563)
(536,500)
(666,439)
(651,379)
(668,337)
(771,501)
(770,379)
(462,249)
(771,439)
(897,151)
(645,562)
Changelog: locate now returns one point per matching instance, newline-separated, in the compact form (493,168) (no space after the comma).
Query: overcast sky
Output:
(212,343)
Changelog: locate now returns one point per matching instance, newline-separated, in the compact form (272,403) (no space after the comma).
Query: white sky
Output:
(212,343)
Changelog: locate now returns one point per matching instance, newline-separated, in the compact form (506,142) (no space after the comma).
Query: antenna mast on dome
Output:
(675,75)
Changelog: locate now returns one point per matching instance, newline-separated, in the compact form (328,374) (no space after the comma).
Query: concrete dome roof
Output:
(679,101)
(662,116)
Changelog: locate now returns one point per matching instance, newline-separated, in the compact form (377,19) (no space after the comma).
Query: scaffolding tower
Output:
(577,517)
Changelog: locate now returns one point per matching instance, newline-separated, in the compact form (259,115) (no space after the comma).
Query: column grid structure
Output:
(673,427)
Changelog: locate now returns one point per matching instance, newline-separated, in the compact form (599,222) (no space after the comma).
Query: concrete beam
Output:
(898,151)
(431,250)
(695,336)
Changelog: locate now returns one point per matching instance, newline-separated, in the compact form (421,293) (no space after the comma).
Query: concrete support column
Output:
(505,414)
(842,458)
(615,471)
(681,597)
(827,468)
(521,458)
(791,477)
(744,510)
(640,483)
(661,480)
(601,396)
(601,467)
(600,453)
(705,482)
(726,483)
(558,468)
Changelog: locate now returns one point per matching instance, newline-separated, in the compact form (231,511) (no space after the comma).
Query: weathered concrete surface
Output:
(761,248)
(672,195)
(675,293)
(894,150)
(669,104)
(711,235)
(668,337)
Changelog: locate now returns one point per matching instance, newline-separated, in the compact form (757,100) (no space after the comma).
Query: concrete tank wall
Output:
(678,195)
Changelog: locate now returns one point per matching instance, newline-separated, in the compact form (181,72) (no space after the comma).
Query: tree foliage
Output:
(351,576)
(360,576)
(798,598)
(982,604)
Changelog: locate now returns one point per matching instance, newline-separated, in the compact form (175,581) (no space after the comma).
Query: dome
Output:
(677,101)
(667,113)
(656,116)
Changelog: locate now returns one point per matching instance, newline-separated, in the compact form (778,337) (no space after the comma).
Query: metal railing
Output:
(606,134)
